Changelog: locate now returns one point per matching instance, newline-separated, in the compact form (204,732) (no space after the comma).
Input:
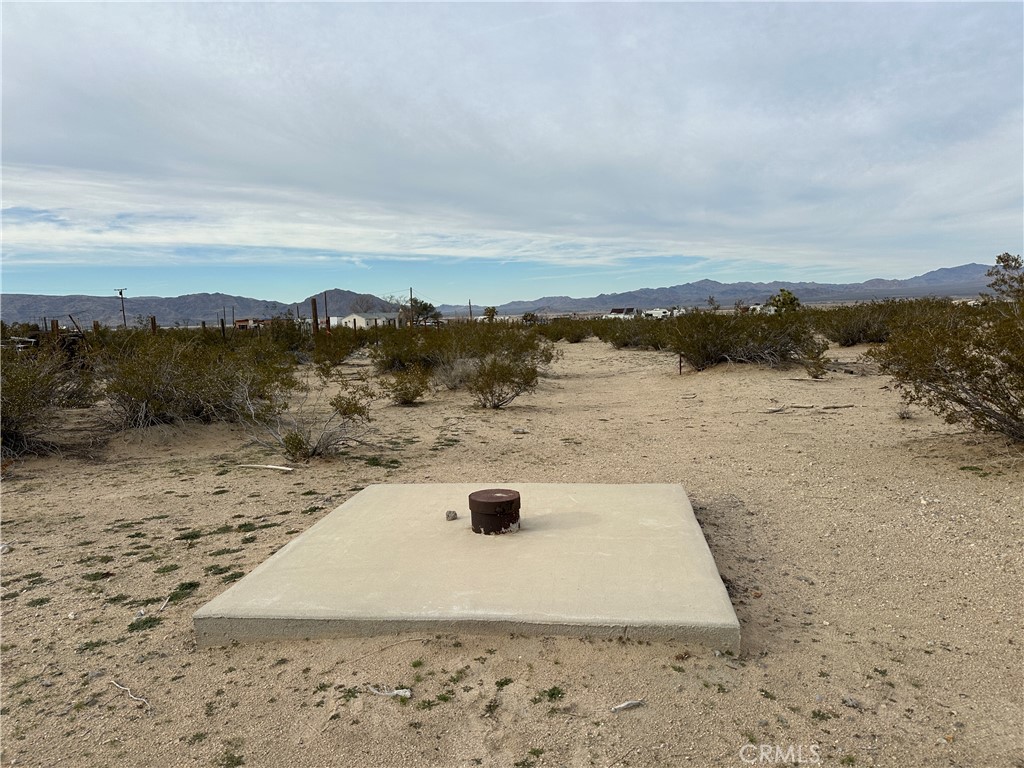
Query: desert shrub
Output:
(1007,279)
(400,348)
(463,355)
(175,377)
(290,336)
(507,361)
(578,331)
(330,349)
(427,349)
(964,363)
(107,338)
(705,339)
(497,381)
(639,333)
(450,352)
(858,324)
(153,380)
(454,374)
(406,387)
(784,301)
(303,422)
(573,330)
(517,344)
(34,385)
(780,339)
(7,330)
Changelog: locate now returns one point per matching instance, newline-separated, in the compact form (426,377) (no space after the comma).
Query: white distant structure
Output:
(622,313)
(497,319)
(369,320)
(658,313)
(762,309)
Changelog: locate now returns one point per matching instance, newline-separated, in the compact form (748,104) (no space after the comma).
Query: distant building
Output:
(657,313)
(249,323)
(370,320)
(497,319)
(622,313)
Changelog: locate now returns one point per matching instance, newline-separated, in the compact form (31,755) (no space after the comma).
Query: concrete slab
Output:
(601,560)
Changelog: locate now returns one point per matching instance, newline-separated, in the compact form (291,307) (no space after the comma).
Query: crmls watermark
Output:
(777,754)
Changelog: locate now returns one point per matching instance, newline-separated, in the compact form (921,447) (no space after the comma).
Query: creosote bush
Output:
(496,362)
(508,364)
(337,346)
(402,348)
(287,335)
(639,333)
(406,387)
(965,363)
(34,384)
(498,380)
(572,330)
(705,339)
(858,324)
(454,374)
(176,377)
(304,422)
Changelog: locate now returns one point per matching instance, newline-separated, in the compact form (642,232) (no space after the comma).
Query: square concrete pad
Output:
(589,560)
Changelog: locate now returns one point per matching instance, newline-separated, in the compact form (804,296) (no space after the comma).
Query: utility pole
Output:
(412,317)
(470,309)
(124,318)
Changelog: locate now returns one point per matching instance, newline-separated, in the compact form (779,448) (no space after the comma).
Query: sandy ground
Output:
(874,563)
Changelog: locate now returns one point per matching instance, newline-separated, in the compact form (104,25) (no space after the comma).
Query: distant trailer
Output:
(622,313)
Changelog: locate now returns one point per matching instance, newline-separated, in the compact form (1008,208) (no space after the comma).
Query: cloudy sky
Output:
(492,152)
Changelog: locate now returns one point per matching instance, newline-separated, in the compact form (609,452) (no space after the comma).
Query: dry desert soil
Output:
(874,563)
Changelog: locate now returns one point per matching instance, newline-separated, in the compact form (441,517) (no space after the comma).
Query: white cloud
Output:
(843,137)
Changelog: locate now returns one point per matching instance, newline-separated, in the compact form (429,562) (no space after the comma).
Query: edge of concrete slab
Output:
(218,631)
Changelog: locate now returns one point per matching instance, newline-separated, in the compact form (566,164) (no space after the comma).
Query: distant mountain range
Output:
(190,310)
(963,281)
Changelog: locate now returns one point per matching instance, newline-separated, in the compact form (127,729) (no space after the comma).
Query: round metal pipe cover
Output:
(494,510)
